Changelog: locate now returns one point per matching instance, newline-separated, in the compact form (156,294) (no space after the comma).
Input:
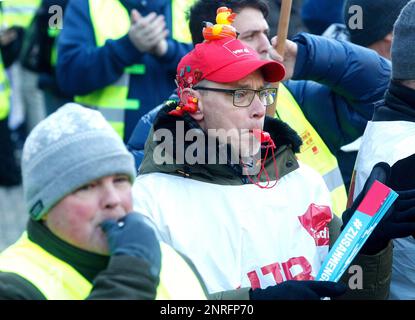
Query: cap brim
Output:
(272,71)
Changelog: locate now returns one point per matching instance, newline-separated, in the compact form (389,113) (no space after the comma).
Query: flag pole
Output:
(283,24)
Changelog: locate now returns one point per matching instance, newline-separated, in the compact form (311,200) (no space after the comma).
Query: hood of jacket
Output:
(173,159)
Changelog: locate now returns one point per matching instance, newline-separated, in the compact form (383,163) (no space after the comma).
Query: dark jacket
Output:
(343,83)
(398,105)
(83,67)
(118,277)
(376,268)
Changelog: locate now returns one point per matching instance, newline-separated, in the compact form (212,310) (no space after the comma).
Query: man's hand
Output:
(149,33)
(132,236)
(299,290)
(398,222)
(289,59)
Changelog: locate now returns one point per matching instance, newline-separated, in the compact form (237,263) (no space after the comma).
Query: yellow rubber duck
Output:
(222,28)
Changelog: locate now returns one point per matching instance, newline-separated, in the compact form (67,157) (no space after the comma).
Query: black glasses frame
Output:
(233,91)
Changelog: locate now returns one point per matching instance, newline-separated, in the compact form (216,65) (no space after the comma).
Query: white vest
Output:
(241,236)
(390,141)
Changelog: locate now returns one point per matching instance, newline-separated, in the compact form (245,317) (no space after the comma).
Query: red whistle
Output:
(263,137)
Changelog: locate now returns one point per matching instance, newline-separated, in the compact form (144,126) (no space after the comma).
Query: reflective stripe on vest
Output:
(54,33)
(177,279)
(111,20)
(55,279)
(19,12)
(314,151)
(4,93)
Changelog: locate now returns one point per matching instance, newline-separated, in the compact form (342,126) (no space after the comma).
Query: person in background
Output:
(324,104)
(389,138)
(227,176)
(39,53)
(82,239)
(375,30)
(27,106)
(123,62)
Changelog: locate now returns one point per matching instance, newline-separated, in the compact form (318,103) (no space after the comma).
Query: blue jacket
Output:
(343,83)
(83,67)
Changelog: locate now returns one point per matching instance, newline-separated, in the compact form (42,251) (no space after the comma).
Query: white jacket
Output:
(390,141)
(241,236)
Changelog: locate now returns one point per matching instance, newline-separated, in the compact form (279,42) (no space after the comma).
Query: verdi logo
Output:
(236,49)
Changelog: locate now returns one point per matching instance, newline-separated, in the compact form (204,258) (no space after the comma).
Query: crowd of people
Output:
(152,167)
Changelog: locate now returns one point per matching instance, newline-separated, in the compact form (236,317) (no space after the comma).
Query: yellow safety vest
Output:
(19,12)
(314,151)
(111,20)
(57,280)
(4,93)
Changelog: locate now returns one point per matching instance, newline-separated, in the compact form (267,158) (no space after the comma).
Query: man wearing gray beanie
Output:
(390,137)
(370,23)
(82,240)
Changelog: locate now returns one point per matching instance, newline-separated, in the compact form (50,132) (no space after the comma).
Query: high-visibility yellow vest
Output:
(19,12)
(4,93)
(177,279)
(111,20)
(57,280)
(314,152)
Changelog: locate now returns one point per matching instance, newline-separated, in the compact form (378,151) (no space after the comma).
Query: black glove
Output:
(299,290)
(132,236)
(398,222)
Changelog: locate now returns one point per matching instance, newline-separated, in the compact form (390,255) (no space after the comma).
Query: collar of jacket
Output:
(399,104)
(285,138)
(88,264)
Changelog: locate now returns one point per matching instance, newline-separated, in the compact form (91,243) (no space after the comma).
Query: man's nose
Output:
(263,44)
(110,197)
(258,109)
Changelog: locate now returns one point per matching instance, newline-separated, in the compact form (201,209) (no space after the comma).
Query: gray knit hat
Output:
(403,53)
(67,150)
(378,19)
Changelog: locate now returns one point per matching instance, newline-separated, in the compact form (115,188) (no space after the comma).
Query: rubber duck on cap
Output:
(222,28)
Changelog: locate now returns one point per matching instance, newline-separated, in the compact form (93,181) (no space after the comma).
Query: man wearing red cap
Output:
(218,178)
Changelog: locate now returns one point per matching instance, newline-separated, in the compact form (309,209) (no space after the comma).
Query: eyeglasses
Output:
(243,97)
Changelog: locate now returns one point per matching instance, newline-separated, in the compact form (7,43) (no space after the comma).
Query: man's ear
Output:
(389,37)
(188,92)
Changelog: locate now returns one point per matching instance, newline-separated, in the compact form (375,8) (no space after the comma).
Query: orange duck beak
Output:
(231,17)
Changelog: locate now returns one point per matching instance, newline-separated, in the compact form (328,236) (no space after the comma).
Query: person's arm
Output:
(83,67)
(344,83)
(135,263)
(126,278)
(175,52)
(376,271)
(339,65)
(14,287)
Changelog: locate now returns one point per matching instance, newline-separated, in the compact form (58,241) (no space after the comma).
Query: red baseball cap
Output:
(223,61)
